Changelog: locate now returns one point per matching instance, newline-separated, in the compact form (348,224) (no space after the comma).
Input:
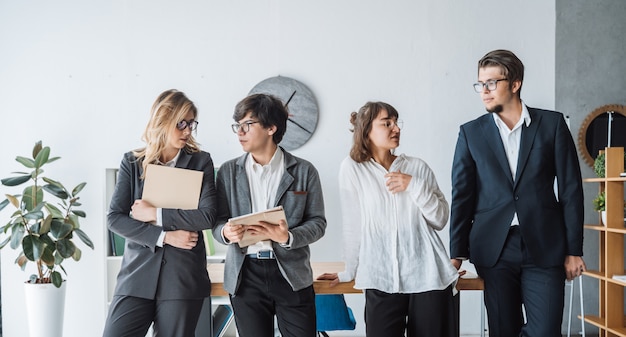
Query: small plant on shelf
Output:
(598,202)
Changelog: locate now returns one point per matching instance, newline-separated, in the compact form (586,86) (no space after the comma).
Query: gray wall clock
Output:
(302,106)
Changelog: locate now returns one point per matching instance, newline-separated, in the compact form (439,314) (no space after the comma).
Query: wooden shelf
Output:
(611,319)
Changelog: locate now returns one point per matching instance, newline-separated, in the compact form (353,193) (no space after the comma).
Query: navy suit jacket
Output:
(167,272)
(485,196)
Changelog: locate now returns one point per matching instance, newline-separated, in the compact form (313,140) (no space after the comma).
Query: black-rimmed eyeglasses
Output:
(245,126)
(491,85)
(191,124)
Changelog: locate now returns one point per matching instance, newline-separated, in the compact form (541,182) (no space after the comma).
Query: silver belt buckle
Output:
(265,255)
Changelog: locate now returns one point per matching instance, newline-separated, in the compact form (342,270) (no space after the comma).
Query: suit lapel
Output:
(243,187)
(526,142)
(287,179)
(493,139)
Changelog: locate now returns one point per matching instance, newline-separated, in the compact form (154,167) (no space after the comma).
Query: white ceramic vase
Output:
(603,217)
(45,306)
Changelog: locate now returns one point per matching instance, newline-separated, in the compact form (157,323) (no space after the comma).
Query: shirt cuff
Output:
(289,242)
(159,220)
(161,239)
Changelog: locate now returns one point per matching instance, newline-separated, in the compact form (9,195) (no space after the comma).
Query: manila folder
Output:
(172,187)
(272,215)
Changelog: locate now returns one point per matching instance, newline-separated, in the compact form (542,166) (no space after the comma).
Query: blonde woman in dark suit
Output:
(163,277)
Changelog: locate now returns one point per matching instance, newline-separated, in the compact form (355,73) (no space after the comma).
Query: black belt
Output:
(263,255)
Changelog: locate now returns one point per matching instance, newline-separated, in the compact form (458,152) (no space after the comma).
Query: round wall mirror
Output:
(593,133)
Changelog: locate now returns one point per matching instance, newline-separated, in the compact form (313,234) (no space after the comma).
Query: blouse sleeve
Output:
(428,197)
(351,220)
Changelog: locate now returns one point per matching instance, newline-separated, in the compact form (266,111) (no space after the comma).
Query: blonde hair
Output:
(169,108)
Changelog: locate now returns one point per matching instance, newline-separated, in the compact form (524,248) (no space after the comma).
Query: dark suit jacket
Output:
(300,194)
(485,197)
(153,272)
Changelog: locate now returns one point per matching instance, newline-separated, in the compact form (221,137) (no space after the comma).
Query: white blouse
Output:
(390,240)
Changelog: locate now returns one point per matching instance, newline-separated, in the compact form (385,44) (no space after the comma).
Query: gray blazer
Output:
(300,194)
(153,272)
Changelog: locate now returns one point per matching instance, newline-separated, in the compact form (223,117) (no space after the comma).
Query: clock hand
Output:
(291,120)
(290,97)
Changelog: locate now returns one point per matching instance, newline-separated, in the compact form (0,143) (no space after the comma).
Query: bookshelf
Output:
(610,320)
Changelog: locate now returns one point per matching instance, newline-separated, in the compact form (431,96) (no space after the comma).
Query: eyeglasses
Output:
(390,123)
(191,124)
(491,85)
(245,126)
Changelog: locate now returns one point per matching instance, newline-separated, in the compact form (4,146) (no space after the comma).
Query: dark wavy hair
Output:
(267,109)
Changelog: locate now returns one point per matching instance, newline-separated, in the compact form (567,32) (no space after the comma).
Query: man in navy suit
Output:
(524,236)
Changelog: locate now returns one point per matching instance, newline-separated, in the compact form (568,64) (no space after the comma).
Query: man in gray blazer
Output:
(272,277)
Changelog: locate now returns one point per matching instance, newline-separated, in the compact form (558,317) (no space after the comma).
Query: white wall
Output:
(81,76)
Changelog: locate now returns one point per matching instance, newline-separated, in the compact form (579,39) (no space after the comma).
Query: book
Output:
(621,278)
(272,215)
(172,187)
(117,244)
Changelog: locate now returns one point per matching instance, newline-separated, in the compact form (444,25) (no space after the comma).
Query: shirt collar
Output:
(525,116)
(274,163)
(171,163)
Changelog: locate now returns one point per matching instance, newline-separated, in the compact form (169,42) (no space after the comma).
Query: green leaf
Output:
(34,215)
(33,247)
(29,163)
(36,149)
(77,212)
(45,225)
(47,240)
(60,229)
(48,256)
(78,188)
(4,204)
(14,181)
(84,238)
(16,236)
(42,157)
(66,248)
(57,280)
(55,211)
(57,191)
(53,159)
(77,254)
(32,196)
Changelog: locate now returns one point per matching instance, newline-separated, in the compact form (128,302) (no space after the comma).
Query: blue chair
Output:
(333,314)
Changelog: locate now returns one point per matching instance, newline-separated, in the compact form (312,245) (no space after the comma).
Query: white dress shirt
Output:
(390,240)
(264,181)
(511,139)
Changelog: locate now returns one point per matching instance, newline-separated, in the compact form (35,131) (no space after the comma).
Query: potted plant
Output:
(44,230)
(599,164)
(599,205)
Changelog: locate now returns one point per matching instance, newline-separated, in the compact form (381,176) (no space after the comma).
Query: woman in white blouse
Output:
(392,208)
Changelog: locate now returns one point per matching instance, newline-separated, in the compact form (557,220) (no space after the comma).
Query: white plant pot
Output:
(45,306)
(603,213)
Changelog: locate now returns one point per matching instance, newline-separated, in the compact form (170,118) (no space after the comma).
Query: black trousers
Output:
(427,314)
(515,280)
(131,317)
(264,293)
